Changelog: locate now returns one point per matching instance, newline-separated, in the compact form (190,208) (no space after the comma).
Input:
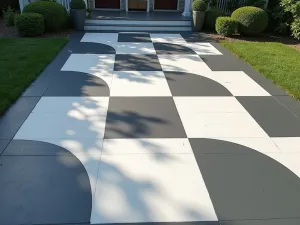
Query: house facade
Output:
(127,5)
(140,5)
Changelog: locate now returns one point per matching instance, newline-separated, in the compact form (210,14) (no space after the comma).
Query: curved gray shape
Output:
(167,48)
(42,183)
(70,83)
(187,84)
(245,184)
(90,48)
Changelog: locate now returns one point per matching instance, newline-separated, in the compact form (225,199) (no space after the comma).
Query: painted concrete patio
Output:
(150,128)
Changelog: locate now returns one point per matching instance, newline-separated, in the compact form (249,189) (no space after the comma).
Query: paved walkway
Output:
(138,127)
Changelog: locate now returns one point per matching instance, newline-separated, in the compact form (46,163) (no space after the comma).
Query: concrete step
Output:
(92,27)
(138,22)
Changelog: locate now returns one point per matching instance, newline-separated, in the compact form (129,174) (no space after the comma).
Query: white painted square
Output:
(139,188)
(96,64)
(140,83)
(84,148)
(216,117)
(66,118)
(208,104)
(288,144)
(101,38)
(202,48)
(262,145)
(199,124)
(159,146)
(80,107)
(167,38)
(134,48)
(238,83)
(183,63)
(53,125)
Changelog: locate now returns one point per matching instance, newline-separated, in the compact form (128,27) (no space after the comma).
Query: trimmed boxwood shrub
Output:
(77,4)
(30,24)
(211,16)
(55,15)
(252,20)
(198,5)
(226,26)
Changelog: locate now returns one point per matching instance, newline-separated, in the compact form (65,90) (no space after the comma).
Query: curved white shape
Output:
(101,38)
(99,65)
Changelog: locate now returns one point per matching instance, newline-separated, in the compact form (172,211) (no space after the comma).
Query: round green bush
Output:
(77,4)
(29,24)
(199,5)
(55,15)
(211,16)
(252,20)
(226,26)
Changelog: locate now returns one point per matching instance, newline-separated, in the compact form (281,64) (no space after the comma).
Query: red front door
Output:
(165,4)
(108,4)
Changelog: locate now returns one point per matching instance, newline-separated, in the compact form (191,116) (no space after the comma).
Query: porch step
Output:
(139,22)
(136,25)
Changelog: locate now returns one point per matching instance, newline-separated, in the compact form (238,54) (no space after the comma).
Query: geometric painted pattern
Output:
(150,128)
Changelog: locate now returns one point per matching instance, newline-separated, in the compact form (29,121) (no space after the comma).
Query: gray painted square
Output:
(44,190)
(82,84)
(3,144)
(134,37)
(184,84)
(166,48)
(221,63)
(196,37)
(272,116)
(244,184)
(143,117)
(137,63)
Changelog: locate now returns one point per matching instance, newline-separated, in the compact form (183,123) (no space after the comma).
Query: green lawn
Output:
(21,61)
(276,61)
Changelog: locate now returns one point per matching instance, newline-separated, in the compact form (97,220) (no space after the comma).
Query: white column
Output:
(187,8)
(21,3)
(148,5)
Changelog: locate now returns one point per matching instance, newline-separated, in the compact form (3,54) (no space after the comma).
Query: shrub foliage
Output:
(226,26)
(293,7)
(55,15)
(198,5)
(30,24)
(77,4)
(211,16)
(252,20)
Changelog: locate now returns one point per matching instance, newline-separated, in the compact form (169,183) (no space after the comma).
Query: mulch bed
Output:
(262,38)
(12,32)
